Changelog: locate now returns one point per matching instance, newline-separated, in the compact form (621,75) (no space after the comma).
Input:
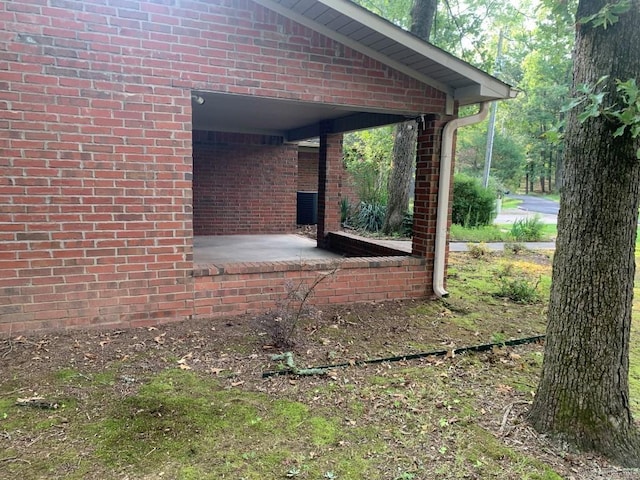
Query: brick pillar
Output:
(329,184)
(426,193)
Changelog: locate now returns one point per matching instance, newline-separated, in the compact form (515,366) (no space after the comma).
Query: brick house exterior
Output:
(108,172)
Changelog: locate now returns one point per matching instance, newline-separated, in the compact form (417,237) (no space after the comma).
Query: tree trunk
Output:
(399,183)
(559,172)
(404,147)
(422,14)
(550,170)
(583,396)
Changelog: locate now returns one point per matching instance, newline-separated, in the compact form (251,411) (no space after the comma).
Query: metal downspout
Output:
(442,215)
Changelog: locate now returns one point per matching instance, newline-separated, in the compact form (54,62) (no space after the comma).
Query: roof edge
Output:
(492,87)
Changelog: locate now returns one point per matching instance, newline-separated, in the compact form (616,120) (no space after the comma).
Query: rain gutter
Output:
(442,215)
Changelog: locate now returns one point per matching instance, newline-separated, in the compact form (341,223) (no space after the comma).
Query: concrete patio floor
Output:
(214,249)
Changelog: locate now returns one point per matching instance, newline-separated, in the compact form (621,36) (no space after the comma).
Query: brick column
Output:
(426,193)
(329,185)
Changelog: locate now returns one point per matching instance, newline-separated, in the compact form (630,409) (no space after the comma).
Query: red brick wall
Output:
(243,185)
(308,176)
(427,186)
(329,186)
(95,142)
(308,171)
(233,289)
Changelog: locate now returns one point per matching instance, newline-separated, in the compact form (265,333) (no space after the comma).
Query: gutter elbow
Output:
(442,212)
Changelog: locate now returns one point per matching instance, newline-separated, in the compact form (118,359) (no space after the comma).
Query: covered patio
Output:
(245,149)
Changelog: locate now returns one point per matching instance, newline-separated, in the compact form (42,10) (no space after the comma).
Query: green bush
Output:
(478,250)
(345,210)
(370,216)
(519,290)
(473,205)
(527,229)
(407,224)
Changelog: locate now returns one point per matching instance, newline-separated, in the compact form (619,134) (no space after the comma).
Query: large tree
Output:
(583,396)
(405,134)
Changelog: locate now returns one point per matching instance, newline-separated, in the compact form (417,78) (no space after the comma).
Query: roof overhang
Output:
(357,28)
(372,35)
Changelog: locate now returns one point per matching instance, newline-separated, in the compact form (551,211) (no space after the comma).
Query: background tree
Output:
(405,135)
(583,396)
(508,162)
(536,114)
(536,58)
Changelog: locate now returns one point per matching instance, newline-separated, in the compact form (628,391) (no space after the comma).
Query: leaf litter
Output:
(457,416)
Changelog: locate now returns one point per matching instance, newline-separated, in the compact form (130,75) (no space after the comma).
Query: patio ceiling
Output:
(289,119)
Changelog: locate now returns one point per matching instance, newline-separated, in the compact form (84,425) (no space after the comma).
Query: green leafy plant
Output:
(345,210)
(473,205)
(514,247)
(407,224)
(519,290)
(624,114)
(607,15)
(478,250)
(370,216)
(293,472)
(527,229)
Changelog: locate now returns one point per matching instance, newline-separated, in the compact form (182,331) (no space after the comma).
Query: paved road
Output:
(537,204)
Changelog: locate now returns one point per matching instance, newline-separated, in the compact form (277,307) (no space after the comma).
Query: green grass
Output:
(510,203)
(193,428)
(489,233)
(495,233)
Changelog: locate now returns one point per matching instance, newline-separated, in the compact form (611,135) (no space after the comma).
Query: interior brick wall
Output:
(96,146)
(308,170)
(308,176)
(243,185)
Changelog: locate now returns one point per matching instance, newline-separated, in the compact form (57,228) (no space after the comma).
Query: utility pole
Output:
(492,118)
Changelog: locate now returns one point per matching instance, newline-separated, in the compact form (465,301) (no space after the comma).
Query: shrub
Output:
(407,224)
(370,216)
(282,322)
(515,248)
(478,250)
(519,290)
(345,210)
(527,229)
(473,205)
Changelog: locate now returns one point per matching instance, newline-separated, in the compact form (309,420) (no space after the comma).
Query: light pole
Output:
(492,119)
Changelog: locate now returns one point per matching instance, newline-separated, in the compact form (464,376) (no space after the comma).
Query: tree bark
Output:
(399,183)
(422,14)
(583,396)
(404,147)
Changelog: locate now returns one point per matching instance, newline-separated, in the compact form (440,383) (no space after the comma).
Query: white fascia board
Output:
(495,91)
(432,52)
